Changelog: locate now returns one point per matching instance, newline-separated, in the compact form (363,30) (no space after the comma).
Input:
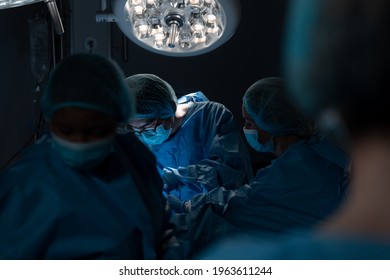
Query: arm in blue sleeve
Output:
(227,162)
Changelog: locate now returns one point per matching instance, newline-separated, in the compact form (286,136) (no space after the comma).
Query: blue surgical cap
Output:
(268,103)
(88,81)
(155,98)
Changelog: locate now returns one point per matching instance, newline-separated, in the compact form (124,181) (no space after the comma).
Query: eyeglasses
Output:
(149,128)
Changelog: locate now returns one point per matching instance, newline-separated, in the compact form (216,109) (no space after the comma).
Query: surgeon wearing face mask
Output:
(252,136)
(83,191)
(83,138)
(152,132)
(278,124)
(197,143)
(306,180)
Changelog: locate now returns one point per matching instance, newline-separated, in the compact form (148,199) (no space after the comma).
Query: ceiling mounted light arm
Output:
(55,16)
(175,27)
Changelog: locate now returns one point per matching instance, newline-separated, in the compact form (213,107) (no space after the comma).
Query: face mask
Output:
(83,156)
(155,137)
(252,138)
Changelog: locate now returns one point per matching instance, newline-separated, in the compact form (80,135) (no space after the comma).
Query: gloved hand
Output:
(170,179)
(176,204)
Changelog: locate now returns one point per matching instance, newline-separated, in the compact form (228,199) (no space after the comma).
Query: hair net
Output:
(155,98)
(267,102)
(88,81)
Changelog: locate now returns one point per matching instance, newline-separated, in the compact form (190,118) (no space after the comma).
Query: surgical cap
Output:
(267,102)
(155,98)
(88,81)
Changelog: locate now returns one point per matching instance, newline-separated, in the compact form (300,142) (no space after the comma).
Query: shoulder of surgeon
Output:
(210,108)
(32,155)
(33,167)
(40,158)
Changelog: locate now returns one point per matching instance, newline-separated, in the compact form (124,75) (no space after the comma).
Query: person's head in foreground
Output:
(84,101)
(337,62)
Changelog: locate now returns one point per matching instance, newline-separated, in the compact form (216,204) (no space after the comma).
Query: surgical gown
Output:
(206,152)
(50,211)
(300,188)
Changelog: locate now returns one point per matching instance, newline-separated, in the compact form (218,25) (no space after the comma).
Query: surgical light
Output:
(174,27)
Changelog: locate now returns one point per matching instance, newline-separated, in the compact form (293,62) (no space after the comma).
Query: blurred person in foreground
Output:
(82,191)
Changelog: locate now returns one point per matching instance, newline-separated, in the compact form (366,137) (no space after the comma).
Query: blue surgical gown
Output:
(298,189)
(301,187)
(51,211)
(296,245)
(207,151)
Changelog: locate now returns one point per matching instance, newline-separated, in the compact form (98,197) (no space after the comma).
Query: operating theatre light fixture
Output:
(51,6)
(174,27)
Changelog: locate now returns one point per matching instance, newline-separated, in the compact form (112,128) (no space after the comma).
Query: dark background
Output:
(223,75)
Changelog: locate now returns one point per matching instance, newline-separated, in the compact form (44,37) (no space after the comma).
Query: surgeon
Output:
(301,187)
(197,145)
(82,192)
(305,183)
(342,81)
